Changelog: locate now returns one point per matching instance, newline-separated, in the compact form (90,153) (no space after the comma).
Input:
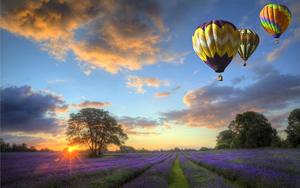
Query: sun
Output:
(70,149)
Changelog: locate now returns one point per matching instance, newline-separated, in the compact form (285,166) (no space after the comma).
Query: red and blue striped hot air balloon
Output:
(275,18)
(216,42)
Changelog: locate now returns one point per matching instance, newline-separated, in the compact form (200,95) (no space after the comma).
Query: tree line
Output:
(252,130)
(6,147)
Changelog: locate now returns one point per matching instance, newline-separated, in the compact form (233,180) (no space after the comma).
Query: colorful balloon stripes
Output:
(216,43)
(275,18)
(249,43)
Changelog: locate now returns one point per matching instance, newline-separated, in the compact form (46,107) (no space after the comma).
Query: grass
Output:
(109,156)
(178,178)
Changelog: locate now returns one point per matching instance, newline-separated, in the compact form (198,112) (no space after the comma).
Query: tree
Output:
(293,128)
(3,145)
(204,149)
(32,149)
(127,149)
(95,129)
(251,130)
(24,147)
(223,146)
(225,137)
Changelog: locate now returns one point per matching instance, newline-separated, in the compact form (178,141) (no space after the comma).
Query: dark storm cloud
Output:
(214,106)
(23,110)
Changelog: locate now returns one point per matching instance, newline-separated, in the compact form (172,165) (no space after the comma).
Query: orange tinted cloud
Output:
(116,37)
(89,103)
(138,83)
(163,94)
(214,106)
(167,127)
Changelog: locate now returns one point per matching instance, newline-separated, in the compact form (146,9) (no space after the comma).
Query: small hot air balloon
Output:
(275,18)
(216,42)
(249,43)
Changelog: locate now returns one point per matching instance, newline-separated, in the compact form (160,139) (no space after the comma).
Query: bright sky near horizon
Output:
(135,59)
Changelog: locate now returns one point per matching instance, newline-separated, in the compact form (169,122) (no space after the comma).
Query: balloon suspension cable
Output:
(220,78)
(245,63)
(276,42)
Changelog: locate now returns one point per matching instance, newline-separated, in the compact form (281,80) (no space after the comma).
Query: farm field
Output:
(224,168)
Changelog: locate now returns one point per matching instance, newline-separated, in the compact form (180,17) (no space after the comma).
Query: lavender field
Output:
(225,168)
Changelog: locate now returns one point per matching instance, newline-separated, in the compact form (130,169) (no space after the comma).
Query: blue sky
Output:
(135,59)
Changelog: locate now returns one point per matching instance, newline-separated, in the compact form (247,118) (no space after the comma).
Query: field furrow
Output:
(246,175)
(200,177)
(66,175)
(157,176)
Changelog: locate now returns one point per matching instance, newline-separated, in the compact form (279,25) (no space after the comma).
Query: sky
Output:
(135,59)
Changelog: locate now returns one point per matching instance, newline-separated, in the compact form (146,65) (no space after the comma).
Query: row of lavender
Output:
(287,160)
(122,175)
(50,170)
(253,168)
(157,176)
(200,177)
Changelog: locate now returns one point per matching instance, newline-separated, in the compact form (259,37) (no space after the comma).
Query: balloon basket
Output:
(220,78)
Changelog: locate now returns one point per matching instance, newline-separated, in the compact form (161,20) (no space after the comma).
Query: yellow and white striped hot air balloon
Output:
(216,42)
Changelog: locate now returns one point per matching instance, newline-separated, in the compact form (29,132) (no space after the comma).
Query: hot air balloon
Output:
(275,18)
(249,43)
(216,42)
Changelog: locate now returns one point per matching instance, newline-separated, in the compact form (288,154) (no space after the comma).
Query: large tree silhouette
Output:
(95,129)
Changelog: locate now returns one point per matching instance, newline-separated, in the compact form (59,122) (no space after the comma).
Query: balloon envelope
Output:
(275,18)
(249,43)
(216,42)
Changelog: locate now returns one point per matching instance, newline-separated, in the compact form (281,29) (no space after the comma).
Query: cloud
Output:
(138,83)
(243,22)
(23,110)
(214,106)
(163,94)
(43,90)
(29,140)
(133,126)
(116,35)
(263,2)
(166,93)
(284,45)
(237,80)
(135,133)
(294,8)
(88,103)
(167,127)
(175,88)
(279,51)
(138,122)
(278,120)
(52,81)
